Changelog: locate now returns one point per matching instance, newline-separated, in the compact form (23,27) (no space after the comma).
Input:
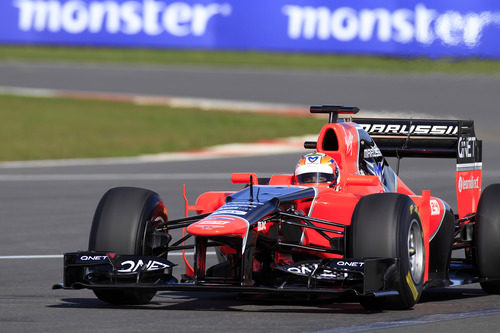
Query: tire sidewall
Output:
(409,288)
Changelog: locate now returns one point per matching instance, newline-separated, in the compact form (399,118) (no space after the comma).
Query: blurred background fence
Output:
(430,28)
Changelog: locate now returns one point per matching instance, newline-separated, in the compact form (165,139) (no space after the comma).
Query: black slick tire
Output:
(388,225)
(487,239)
(119,226)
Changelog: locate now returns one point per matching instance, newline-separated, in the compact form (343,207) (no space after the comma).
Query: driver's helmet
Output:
(317,168)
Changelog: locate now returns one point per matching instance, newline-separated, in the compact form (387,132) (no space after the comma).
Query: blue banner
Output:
(433,28)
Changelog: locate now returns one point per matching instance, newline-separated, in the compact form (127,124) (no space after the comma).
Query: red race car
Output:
(343,223)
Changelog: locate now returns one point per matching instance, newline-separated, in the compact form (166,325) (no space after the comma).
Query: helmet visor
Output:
(315,178)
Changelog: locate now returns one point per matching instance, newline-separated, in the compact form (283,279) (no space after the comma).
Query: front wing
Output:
(360,277)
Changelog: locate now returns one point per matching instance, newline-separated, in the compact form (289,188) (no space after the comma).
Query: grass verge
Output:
(46,128)
(248,59)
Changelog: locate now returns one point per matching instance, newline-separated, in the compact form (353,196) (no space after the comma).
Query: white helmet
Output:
(315,168)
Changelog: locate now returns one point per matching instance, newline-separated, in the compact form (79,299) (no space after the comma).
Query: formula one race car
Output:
(343,223)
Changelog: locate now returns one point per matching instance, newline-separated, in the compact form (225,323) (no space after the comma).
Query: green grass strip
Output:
(248,59)
(56,128)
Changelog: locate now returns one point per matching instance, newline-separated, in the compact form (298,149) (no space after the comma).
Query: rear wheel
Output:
(487,238)
(388,225)
(123,224)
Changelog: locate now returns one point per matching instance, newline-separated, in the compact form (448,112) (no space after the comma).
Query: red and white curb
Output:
(264,147)
(198,103)
(171,101)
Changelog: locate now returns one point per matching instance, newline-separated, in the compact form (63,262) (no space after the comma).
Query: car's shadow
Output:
(449,294)
(212,301)
(208,301)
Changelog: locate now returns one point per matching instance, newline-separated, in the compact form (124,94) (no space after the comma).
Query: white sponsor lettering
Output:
(405,25)
(130,266)
(130,17)
(435,208)
(325,273)
(372,152)
(93,258)
(468,184)
(393,129)
(307,269)
(349,138)
(261,226)
(466,147)
(302,269)
(398,129)
(351,263)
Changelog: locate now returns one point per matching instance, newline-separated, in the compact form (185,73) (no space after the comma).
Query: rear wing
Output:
(434,138)
(424,138)
(413,137)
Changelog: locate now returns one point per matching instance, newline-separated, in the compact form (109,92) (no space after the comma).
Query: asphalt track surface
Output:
(47,211)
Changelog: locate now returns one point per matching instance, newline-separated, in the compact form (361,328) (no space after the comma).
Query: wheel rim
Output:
(416,251)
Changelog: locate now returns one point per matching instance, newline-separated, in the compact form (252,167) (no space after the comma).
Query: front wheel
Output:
(122,225)
(388,225)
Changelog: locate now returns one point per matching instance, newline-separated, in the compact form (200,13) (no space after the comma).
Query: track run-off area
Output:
(46,208)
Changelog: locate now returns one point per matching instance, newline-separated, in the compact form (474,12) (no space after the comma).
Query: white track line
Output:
(47,256)
(424,320)
(172,101)
(186,176)
(116,176)
(60,256)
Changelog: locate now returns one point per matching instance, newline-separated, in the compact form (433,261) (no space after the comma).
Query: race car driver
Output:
(316,169)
